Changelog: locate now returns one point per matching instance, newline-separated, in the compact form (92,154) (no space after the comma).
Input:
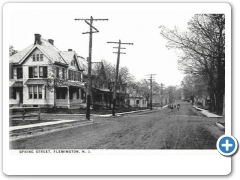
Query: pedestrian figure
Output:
(178,107)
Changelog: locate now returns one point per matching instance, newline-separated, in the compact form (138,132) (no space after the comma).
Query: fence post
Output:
(39,114)
(23,115)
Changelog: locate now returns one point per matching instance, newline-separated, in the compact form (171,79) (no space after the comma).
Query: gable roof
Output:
(51,51)
(20,55)
(47,48)
(83,63)
(68,56)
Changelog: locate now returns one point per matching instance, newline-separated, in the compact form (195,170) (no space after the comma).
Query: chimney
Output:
(51,41)
(37,39)
(69,49)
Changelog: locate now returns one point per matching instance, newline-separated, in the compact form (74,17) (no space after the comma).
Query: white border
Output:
(176,163)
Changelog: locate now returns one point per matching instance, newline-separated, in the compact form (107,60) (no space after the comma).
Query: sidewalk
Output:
(207,113)
(12,128)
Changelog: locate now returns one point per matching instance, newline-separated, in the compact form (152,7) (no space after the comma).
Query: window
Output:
(41,71)
(37,57)
(80,78)
(40,91)
(10,72)
(41,57)
(30,72)
(63,73)
(30,92)
(57,72)
(12,93)
(70,75)
(19,73)
(61,93)
(35,71)
(137,101)
(75,76)
(35,92)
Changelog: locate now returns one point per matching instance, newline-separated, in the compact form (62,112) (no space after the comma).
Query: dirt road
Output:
(163,129)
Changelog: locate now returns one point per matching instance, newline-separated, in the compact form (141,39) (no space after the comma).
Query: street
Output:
(159,129)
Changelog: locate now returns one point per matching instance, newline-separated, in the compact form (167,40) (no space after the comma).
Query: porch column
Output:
(68,98)
(103,98)
(18,97)
(80,94)
(43,92)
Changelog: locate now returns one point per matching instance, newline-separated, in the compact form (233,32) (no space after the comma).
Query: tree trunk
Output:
(223,113)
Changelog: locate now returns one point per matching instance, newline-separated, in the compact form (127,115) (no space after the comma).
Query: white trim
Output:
(33,48)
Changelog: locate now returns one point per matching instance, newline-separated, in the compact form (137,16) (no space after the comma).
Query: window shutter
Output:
(21,73)
(30,72)
(69,74)
(10,72)
(45,72)
(14,93)
(18,73)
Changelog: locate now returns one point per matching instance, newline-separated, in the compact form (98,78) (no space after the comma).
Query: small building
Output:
(135,99)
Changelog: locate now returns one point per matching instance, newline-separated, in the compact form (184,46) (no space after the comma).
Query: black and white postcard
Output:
(116,88)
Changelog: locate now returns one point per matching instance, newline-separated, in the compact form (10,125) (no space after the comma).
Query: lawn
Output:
(26,122)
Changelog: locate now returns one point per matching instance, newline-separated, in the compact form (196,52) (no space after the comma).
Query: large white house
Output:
(41,75)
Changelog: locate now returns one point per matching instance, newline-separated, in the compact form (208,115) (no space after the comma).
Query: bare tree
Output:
(201,52)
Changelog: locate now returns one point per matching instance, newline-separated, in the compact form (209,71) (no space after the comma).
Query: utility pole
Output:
(116,75)
(151,79)
(161,94)
(89,85)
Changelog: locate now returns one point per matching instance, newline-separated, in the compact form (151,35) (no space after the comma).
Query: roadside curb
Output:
(220,126)
(207,113)
(30,132)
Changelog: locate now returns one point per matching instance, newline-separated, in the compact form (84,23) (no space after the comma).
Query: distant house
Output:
(41,75)
(135,99)
(160,98)
(101,92)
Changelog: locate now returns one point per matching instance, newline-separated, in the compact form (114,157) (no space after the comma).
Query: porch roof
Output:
(108,91)
(15,84)
(74,84)
(36,81)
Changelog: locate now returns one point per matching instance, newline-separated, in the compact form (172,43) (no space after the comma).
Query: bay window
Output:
(35,92)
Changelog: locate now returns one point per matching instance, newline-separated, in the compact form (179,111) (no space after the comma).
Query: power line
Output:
(89,85)
(117,68)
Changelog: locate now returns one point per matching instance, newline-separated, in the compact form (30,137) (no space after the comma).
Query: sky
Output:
(130,23)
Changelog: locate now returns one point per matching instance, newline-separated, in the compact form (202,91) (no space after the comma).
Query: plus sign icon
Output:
(227,145)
